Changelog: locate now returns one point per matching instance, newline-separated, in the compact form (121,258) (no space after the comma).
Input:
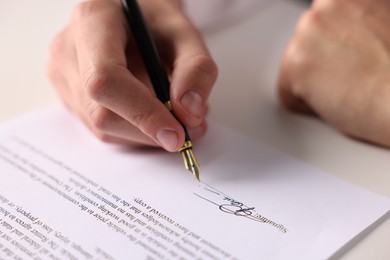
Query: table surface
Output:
(247,51)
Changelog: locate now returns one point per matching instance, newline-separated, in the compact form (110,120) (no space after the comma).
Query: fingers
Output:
(117,90)
(101,47)
(193,70)
(340,73)
(100,40)
(303,54)
(110,127)
(105,124)
(99,75)
(193,78)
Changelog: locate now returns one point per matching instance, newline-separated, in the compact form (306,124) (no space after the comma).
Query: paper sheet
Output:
(66,195)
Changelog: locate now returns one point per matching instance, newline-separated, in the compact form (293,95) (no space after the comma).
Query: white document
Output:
(66,195)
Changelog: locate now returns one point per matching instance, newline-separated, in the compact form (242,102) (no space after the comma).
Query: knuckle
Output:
(326,5)
(298,64)
(309,21)
(329,3)
(92,7)
(96,80)
(140,117)
(296,56)
(83,9)
(100,119)
(55,62)
(205,65)
(53,74)
(340,8)
(300,51)
(57,45)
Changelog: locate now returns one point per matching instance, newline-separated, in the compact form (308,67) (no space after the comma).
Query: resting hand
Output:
(99,74)
(337,66)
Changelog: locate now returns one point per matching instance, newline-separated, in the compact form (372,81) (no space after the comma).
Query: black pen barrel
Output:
(148,50)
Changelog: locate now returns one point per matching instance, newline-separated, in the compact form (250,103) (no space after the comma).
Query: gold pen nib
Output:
(189,159)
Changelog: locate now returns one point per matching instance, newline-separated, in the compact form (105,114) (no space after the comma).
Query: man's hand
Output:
(337,66)
(99,74)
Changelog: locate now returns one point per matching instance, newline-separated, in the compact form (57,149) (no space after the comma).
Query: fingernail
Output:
(168,139)
(193,102)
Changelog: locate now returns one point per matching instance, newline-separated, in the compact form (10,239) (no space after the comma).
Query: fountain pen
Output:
(156,72)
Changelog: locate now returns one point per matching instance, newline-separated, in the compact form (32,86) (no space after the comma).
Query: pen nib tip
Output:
(195,172)
(193,168)
(190,161)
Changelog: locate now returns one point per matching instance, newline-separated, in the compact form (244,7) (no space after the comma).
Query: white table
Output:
(244,98)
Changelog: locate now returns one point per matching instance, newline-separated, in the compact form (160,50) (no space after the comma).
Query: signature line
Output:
(206,199)
(212,191)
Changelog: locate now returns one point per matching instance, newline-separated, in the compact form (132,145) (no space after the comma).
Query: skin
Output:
(337,66)
(97,70)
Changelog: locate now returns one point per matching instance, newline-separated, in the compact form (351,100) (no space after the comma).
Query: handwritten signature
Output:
(231,206)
